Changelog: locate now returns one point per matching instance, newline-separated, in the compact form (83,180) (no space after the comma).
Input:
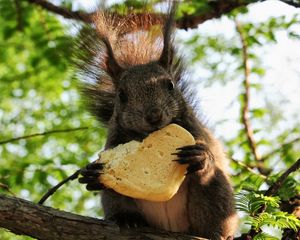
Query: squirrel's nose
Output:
(154,116)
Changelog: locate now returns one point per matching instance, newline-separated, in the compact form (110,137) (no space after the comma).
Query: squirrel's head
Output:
(147,98)
(133,73)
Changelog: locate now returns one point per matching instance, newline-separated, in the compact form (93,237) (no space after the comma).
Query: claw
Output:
(95,166)
(90,176)
(195,156)
(187,153)
(87,180)
(181,161)
(90,173)
(196,146)
(95,186)
(188,160)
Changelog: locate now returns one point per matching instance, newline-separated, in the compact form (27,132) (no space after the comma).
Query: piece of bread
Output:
(146,170)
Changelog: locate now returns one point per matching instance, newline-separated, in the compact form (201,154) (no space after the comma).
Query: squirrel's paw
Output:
(90,176)
(196,156)
(129,220)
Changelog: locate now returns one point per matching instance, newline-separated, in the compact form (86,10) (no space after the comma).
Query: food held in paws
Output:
(146,170)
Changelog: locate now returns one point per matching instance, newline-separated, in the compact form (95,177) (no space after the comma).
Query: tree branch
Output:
(6,188)
(64,12)
(277,185)
(20,24)
(42,134)
(270,154)
(139,18)
(292,3)
(45,223)
(217,9)
(52,190)
(246,99)
(248,168)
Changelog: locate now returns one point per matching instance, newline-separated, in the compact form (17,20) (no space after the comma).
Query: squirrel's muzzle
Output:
(154,116)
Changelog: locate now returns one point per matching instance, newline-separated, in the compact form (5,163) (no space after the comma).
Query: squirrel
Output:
(134,84)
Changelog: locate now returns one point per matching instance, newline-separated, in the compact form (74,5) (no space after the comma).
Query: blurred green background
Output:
(39,94)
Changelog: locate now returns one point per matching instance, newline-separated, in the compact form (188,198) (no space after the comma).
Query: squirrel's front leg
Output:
(198,157)
(120,209)
(210,203)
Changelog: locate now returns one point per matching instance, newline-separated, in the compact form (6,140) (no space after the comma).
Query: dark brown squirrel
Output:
(135,84)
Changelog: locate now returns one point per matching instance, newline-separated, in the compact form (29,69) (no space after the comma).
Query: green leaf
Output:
(280,220)
(250,202)
(258,112)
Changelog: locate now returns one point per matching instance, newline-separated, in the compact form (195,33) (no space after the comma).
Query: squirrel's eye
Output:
(123,96)
(170,85)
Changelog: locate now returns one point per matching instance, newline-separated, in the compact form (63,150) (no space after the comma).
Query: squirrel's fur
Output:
(135,40)
(134,84)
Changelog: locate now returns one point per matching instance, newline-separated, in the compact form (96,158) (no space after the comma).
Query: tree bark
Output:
(216,10)
(26,218)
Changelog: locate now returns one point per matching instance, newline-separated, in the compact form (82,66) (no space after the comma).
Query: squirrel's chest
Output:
(171,215)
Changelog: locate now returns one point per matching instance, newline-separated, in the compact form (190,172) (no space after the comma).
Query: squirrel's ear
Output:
(113,68)
(167,54)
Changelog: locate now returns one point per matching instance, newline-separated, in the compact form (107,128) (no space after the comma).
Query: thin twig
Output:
(248,168)
(292,3)
(19,15)
(6,188)
(279,182)
(246,96)
(270,154)
(52,190)
(64,12)
(42,134)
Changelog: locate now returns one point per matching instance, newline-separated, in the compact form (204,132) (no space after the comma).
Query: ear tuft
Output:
(113,68)
(167,54)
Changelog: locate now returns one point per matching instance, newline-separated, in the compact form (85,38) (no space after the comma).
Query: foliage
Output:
(253,203)
(39,93)
(277,219)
